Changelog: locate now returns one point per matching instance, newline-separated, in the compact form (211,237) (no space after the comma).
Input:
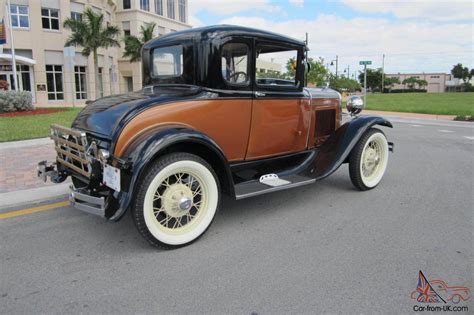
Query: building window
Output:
(126,4)
(126,28)
(161,31)
(101,83)
(145,5)
(171,14)
(80,82)
(54,82)
(19,16)
(159,7)
(182,10)
(129,83)
(76,16)
(50,19)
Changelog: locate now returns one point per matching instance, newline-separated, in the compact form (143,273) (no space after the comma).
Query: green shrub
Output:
(11,101)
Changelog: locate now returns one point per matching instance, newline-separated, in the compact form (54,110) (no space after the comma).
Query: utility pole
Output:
(365,84)
(348,71)
(336,65)
(12,45)
(383,72)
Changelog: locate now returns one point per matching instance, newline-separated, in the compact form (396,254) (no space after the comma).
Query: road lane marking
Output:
(444,130)
(470,138)
(416,125)
(17,213)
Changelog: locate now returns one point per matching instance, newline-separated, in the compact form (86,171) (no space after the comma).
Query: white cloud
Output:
(297,3)
(409,45)
(436,10)
(226,7)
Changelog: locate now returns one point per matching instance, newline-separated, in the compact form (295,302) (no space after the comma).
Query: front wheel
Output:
(368,160)
(177,200)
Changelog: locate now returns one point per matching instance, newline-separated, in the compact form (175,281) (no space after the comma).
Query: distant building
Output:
(437,82)
(39,37)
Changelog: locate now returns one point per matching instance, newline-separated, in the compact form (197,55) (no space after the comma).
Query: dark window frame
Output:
(50,18)
(246,84)
(299,74)
(54,93)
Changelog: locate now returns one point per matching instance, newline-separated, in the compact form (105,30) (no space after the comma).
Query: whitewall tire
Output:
(176,201)
(368,160)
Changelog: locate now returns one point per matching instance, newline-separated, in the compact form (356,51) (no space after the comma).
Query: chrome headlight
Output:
(354,105)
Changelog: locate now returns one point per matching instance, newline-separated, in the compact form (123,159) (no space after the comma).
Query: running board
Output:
(255,188)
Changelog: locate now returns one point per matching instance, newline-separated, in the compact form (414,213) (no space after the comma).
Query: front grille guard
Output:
(72,149)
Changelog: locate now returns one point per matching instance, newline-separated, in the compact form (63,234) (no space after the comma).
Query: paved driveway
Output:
(324,248)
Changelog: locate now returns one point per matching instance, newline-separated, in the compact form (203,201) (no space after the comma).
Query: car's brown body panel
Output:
(245,129)
(226,121)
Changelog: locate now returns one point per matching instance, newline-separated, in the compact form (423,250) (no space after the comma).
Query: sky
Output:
(415,36)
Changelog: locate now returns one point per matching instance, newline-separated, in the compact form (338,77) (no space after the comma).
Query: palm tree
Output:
(91,34)
(133,44)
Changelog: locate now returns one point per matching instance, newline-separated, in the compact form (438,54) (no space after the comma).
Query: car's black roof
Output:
(221,31)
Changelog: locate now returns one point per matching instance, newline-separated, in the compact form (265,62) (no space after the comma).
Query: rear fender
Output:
(153,143)
(337,148)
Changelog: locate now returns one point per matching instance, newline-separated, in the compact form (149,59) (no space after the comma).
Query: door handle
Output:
(259,94)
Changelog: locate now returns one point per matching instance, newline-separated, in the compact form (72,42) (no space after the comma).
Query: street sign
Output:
(364,63)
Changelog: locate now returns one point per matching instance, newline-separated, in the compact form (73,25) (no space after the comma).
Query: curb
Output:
(24,143)
(27,197)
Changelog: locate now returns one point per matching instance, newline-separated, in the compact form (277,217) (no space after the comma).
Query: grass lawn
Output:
(425,103)
(35,126)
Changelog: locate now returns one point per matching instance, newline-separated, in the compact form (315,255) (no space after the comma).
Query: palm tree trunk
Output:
(96,74)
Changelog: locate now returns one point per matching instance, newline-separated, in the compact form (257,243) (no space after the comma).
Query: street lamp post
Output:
(337,62)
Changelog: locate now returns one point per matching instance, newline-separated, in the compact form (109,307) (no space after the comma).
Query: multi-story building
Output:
(56,76)
(437,82)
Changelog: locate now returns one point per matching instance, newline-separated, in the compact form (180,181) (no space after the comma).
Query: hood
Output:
(103,116)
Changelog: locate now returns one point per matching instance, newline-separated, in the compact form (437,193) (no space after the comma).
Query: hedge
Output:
(11,101)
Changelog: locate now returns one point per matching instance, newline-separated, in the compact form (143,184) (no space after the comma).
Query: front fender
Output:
(337,148)
(146,147)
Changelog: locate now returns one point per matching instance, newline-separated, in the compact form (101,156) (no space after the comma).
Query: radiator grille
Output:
(70,146)
(325,124)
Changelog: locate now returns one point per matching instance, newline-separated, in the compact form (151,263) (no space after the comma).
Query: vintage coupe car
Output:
(216,115)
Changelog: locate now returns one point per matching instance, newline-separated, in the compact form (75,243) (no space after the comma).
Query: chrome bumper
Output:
(82,200)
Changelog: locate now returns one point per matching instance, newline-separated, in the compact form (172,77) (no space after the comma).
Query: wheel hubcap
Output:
(371,158)
(177,201)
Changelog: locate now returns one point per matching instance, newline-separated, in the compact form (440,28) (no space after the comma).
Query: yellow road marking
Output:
(18,213)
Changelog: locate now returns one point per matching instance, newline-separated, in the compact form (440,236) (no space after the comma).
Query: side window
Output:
(235,63)
(276,66)
(168,61)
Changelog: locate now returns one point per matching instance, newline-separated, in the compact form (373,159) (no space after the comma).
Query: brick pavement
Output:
(18,166)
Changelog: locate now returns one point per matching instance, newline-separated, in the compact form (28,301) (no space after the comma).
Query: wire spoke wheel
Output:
(177,200)
(368,160)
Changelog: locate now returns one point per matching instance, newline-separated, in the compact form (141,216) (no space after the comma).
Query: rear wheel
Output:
(176,201)
(368,160)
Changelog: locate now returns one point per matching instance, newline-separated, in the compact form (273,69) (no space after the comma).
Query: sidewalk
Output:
(18,180)
(408,115)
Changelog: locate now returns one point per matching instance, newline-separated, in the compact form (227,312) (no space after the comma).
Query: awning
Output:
(19,59)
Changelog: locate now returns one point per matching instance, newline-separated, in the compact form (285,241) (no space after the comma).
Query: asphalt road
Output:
(324,248)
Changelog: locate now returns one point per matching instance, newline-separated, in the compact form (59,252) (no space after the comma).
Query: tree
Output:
(91,34)
(422,83)
(374,79)
(342,83)
(318,73)
(463,73)
(133,44)
(411,82)
(389,82)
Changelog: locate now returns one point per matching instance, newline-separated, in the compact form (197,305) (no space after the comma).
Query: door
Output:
(281,114)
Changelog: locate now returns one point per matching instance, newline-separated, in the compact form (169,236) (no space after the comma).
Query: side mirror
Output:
(308,67)
(354,105)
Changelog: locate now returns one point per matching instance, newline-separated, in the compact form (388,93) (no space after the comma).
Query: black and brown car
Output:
(216,115)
